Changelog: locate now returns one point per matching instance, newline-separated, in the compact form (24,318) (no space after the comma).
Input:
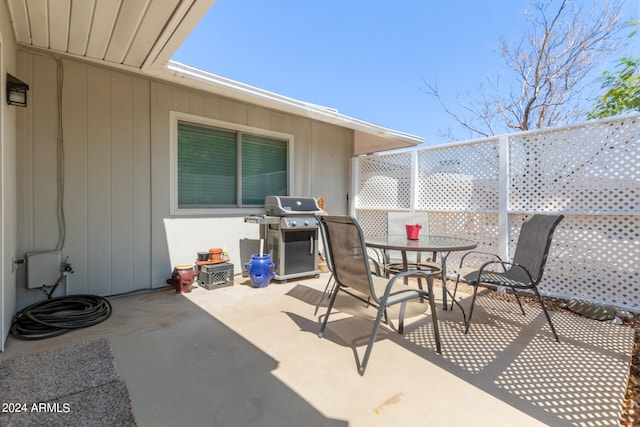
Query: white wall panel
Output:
(76,174)
(122,223)
(331,152)
(44,191)
(141,176)
(120,236)
(99,181)
(11,119)
(107,176)
(161,101)
(321,153)
(37,195)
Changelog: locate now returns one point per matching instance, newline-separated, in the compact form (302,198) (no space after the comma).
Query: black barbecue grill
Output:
(290,232)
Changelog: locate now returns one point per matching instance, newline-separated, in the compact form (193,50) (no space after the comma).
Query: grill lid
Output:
(284,206)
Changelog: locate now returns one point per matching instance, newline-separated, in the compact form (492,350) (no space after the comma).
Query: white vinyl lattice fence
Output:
(484,189)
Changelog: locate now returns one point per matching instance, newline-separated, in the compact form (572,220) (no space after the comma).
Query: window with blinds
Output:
(222,168)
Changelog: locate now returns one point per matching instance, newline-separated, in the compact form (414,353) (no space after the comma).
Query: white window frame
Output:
(174,118)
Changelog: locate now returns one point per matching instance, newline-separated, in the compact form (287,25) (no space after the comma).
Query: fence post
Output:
(503,199)
(413,198)
(355,186)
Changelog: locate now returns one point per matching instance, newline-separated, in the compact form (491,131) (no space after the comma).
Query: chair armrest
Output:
(376,266)
(409,273)
(478,253)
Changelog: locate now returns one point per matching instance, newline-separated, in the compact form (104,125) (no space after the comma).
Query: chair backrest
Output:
(325,247)
(534,243)
(348,253)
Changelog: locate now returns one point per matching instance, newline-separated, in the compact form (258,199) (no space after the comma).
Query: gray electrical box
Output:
(43,268)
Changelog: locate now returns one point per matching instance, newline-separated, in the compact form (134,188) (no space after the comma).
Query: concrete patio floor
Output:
(239,356)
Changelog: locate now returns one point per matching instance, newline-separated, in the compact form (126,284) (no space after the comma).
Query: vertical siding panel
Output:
(141,185)
(213,107)
(45,133)
(179,100)
(117,143)
(25,155)
(240,113)
(277,121)
(259,118)
(303,129)
(331,147)
(75,154)
(227,110)
(161,96)
(99,181)
(121,183)
(197,104)
(25,152)
(288,126)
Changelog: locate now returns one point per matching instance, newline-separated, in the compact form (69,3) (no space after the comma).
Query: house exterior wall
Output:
(9,116)
(321,157)
(120,235)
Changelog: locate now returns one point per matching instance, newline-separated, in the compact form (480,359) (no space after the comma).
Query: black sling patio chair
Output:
(327,258)
(352,273)
(524,273)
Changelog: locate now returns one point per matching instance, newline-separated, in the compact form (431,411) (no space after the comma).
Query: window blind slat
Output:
(206,167)
(207,163)
(264,168)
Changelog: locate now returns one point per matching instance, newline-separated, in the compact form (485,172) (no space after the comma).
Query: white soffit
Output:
(134,33)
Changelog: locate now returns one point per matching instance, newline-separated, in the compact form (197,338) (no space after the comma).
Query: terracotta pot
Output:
(215,254)
(182,278)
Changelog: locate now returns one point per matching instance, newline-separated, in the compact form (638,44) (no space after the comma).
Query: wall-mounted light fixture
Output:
(16,91)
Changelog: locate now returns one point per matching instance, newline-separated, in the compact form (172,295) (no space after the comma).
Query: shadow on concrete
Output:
(184,367)
(579,381)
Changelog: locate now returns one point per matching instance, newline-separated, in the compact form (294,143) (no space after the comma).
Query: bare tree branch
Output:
(549,68)
(432,89)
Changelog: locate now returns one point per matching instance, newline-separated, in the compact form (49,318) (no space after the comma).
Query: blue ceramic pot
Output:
(260,270)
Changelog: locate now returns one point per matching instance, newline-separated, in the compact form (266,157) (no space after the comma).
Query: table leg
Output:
(443,264)
(445,291)
(405,267)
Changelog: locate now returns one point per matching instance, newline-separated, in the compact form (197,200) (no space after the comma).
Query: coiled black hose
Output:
(57,316)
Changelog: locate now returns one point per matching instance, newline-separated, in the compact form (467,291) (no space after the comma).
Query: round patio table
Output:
(442,245)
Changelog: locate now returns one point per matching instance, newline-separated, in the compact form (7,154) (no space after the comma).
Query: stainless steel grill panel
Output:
(290,232)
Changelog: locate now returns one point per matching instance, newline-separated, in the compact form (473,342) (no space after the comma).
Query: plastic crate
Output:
(216,276)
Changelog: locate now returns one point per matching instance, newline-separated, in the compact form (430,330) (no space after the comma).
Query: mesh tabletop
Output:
(422,244)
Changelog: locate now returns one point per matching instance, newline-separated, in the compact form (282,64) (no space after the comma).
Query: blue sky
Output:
(367,59)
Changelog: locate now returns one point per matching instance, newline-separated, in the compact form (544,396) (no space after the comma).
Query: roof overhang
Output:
(142,34)
(368,137)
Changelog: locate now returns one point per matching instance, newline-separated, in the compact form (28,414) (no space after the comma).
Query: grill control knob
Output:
(293,223)
(306,223)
